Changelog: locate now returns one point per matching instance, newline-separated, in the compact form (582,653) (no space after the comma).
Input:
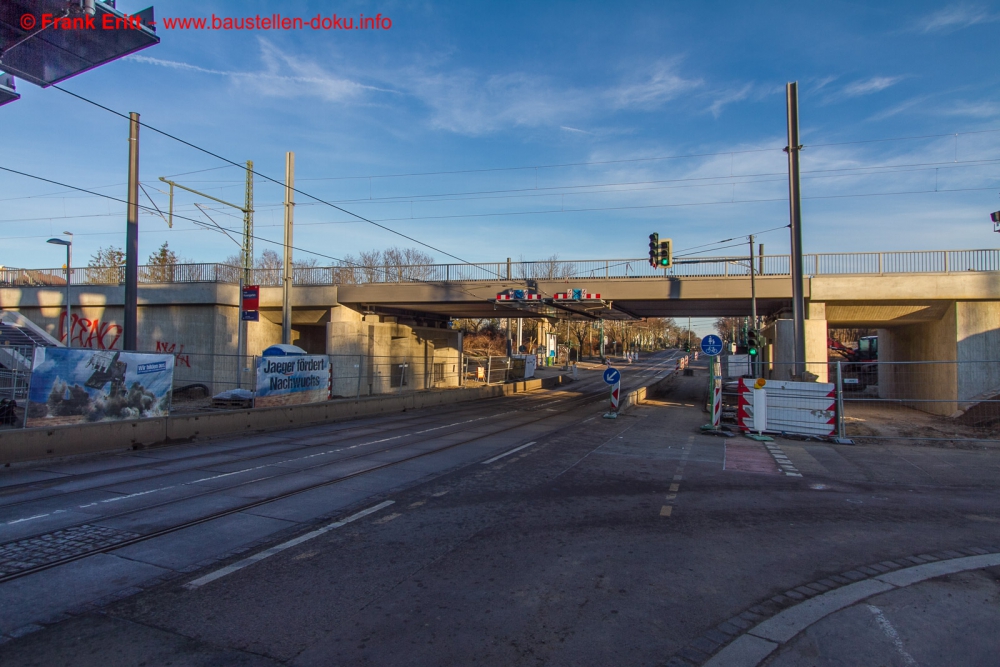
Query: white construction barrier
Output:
(805,408)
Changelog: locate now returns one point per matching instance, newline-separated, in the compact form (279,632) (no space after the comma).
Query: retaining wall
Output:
(35,444)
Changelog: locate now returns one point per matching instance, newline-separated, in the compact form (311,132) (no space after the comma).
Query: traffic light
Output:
(753,342)
(666,254)
(654,249)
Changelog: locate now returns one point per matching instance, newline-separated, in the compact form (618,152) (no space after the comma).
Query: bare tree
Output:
(729,328)
(549,268)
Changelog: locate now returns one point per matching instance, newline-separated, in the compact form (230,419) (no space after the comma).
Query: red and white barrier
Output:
(527,297)
(806,408)
(615,395)
(568,296)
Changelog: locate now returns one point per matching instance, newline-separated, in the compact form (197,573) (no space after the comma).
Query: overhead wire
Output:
(265,176)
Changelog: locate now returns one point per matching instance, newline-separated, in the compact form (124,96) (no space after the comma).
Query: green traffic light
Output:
(664,261)
(753,352)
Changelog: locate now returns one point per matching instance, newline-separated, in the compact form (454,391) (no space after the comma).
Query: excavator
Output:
(861,369)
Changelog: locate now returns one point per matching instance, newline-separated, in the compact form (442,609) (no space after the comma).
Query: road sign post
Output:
(712,346)
(613,377)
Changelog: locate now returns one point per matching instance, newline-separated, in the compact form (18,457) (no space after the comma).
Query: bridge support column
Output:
(781,344)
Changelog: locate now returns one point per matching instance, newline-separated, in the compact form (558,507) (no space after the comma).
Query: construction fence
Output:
(944,401)
(209,382)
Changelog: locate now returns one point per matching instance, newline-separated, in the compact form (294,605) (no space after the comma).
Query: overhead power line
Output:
(265,176)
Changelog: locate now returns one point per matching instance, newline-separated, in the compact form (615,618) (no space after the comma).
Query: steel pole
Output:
(795,224)
(131,320)
(287,272)
(69,273)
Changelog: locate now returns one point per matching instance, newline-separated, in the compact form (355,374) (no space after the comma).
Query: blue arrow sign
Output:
(711,345)
(612,376)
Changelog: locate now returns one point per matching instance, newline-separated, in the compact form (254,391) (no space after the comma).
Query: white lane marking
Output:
(516,449)
(246,470)
(267,553)
(891,633)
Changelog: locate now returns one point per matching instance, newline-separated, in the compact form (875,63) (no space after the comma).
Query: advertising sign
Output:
(74,386)
(292,380)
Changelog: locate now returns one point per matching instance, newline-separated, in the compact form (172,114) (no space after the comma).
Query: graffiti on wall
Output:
(94,334)
(180,359)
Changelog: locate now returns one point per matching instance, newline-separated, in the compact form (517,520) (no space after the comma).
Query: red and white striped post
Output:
(615,391)
(716,389)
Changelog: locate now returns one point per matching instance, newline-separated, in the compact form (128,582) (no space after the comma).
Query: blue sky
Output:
(499,93)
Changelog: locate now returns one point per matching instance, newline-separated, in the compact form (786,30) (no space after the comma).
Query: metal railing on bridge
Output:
(814,264)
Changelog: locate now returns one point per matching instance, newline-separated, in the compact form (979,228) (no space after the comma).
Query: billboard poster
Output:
(292,380)
(74,386)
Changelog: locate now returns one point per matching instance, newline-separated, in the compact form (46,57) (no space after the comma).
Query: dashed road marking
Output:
(666,510)
(675,487)
(513,451)
(786,465)
(267,553)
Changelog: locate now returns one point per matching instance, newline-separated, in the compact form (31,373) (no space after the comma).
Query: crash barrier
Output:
(937,400)
(44,443)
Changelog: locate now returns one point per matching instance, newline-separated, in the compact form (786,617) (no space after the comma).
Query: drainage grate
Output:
(35,551)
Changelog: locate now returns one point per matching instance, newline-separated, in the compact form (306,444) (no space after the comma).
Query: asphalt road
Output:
(636,541)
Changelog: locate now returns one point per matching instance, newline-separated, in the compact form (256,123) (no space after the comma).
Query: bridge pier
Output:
(378,354)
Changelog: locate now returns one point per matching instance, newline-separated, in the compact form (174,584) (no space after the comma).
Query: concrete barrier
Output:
(640,394)
(34,444)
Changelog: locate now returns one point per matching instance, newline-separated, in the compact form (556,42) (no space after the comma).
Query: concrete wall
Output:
(921,342)
(978,336)
(58,441)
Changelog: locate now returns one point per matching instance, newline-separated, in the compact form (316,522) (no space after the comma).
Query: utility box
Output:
(526,361)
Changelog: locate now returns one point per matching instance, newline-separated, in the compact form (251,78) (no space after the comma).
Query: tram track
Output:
(569,404)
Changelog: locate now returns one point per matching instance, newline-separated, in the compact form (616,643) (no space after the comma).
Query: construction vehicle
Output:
(107,369)
(861,368)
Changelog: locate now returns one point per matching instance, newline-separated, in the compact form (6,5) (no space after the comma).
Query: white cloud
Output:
(868,86)
(751,91)
(661,85)
(982,109)
(283,75)
(955,17)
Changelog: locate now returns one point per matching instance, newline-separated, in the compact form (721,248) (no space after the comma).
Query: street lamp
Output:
(69,270)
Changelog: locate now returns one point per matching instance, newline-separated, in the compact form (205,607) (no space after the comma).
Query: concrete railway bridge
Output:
(927,305)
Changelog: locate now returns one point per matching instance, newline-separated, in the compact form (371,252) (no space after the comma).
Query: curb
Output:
(748,638)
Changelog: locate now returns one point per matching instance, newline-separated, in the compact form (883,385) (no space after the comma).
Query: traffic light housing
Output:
(753,342)
(666,254)
(654,249)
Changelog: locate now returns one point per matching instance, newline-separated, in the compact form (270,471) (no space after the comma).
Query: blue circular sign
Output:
(612,376)
(711,345)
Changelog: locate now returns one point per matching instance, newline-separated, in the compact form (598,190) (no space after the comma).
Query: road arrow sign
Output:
(612,376)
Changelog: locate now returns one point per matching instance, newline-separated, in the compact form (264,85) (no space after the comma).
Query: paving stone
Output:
(678,662)
(741,623)
(693,655)
(854,575)
(795,595)
(869,571)
(840,580)
(928,558)
(717,636)
(817,587)
(829,583)
(878,567)
(977,551)
(706,645)
(729,628)
(891,564)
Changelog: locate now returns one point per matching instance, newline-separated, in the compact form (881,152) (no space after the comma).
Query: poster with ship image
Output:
(72,386)
(292,380)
